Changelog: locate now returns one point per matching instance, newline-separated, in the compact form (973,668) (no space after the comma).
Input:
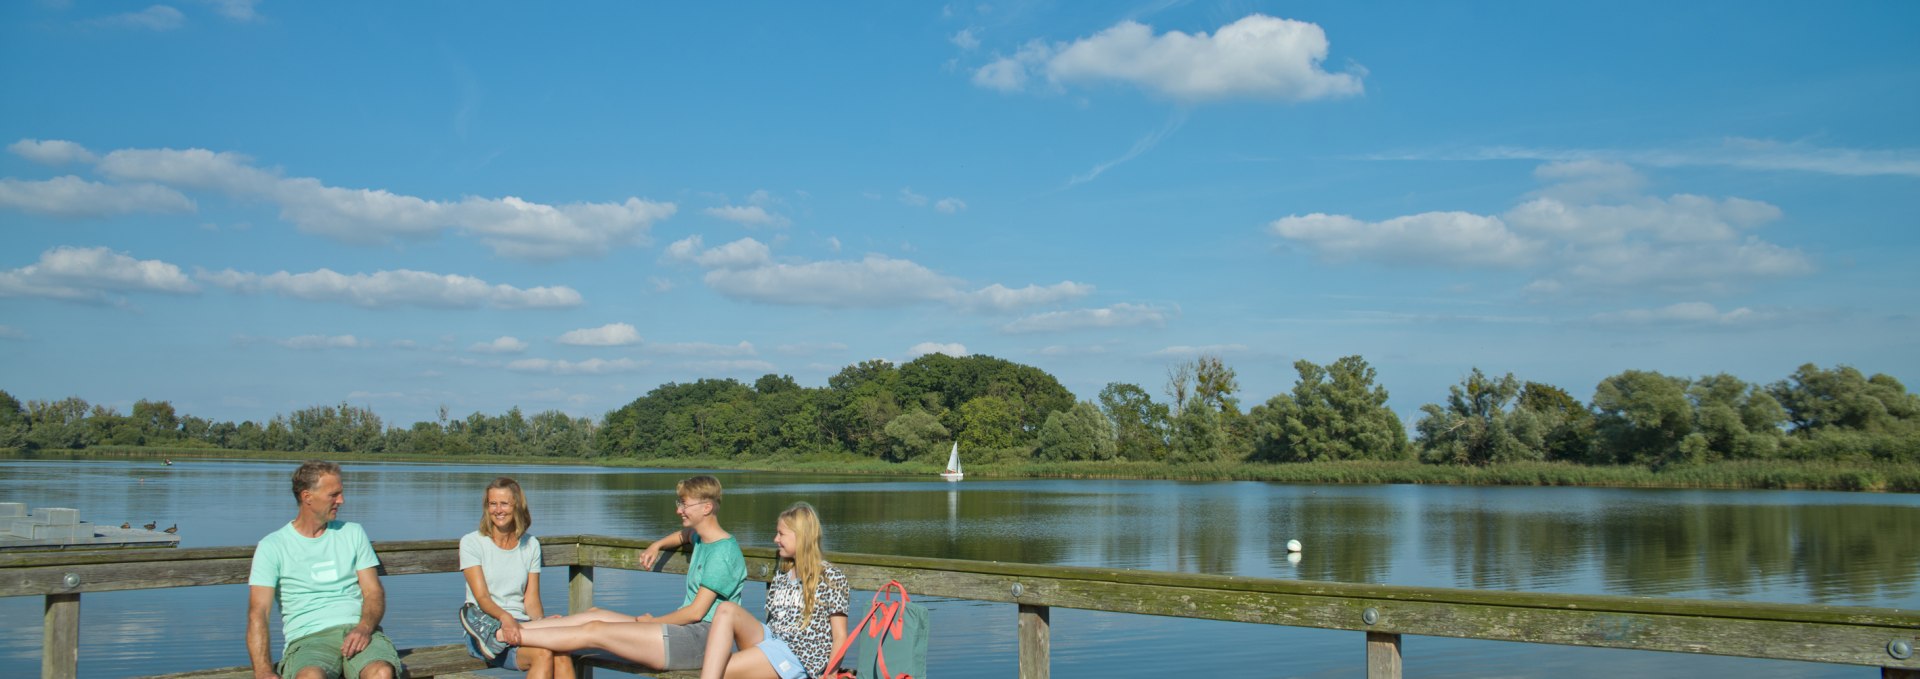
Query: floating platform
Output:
(60,528)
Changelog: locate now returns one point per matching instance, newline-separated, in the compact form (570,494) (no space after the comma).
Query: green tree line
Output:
(1001,411)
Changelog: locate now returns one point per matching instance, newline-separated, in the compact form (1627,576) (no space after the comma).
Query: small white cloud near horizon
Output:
(1735,152)
(322,342)
(502,345)
(736,366)
(1257,56)
(1682,313)
(950,205)
(401,287)
(954,349)
(1457,239)
(237,10)
(591,366)
(998,297)
(965,40)
(744,348)
(746,215)
(746,269)
(908,197)
(1116,316)
(1182,350)
(89,274)
(609,335)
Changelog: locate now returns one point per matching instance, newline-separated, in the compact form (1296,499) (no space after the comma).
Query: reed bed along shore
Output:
(1748,474)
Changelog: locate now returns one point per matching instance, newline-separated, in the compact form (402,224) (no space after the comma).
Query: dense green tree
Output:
(13,421)
(1567,421)
(156,421)
(1198,434)
(1732,420)
(1140,425)
(913,434)
(1077,433)
(1333,413)
(1845,398)
(1641,417)
(1477,425)
(987,422)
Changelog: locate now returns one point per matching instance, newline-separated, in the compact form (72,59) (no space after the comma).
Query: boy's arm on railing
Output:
(259,604)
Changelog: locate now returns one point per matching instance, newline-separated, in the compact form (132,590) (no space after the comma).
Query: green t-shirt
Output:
(316,580)
(719,567)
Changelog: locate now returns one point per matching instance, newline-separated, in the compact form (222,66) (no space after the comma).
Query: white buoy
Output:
(1293,545)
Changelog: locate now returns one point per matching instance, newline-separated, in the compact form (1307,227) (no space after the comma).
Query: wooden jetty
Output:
(1382,614)
(61,528)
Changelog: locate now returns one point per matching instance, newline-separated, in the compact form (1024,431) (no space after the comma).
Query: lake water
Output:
(1784,546)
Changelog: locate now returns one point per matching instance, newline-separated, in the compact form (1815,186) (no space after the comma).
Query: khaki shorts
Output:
(322,650)
(685,645)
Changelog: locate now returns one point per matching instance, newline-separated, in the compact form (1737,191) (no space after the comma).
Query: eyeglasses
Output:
(683,504)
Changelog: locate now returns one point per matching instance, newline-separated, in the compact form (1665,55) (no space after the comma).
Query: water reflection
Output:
(1833,548)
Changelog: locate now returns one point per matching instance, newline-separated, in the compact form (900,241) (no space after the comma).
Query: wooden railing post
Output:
(60,648)
(1898,673)
(579,599)
(1035,641)
(1383,655)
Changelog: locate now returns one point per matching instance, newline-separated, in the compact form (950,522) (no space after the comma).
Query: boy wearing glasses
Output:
(674,641)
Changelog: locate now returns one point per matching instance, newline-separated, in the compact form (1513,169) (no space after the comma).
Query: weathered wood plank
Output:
(1383,656)
(450,661)
(1036,641)
(60,649)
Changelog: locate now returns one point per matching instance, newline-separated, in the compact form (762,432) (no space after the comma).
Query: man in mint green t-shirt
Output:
(320,570)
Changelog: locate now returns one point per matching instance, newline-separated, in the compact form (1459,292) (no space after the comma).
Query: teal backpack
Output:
(889,643)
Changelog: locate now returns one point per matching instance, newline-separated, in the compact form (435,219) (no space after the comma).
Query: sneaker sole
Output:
(478,642)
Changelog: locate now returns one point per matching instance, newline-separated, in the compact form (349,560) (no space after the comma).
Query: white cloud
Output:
(909,197)
(89,274)
(400,287)
(1684,313)
(73,197)
(592,366)
(237,10)
(609,335)
(320,342)
(954,349)
(1679,243)
(1116,316)
(12,333)
(733,366)
(744,348)
(154,18)
(510,226)
(876,281)
(809,349)
(1182,350)
(950,205)
(747,215)
(502,345)
(1736,152)
(1257,56)
(739,254)
(965,39)
(1456,239)
(998,297)
(52,151)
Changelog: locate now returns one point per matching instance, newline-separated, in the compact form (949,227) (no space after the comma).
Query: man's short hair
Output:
(702,487)
(309,473)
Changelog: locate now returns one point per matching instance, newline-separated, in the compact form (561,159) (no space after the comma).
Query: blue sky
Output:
(252,207)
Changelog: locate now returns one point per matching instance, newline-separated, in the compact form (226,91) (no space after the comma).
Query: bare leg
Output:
(563,666)
(309,673)
(751,664)
(731,624)
(538,662)
(377,670)
(580,618)
(640,642)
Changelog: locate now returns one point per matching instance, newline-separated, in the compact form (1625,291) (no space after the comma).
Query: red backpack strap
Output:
(833,666)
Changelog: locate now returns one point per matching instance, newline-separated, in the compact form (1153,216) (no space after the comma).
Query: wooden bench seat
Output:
(450,661)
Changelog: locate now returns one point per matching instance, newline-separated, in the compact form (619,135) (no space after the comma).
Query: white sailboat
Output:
(953,465)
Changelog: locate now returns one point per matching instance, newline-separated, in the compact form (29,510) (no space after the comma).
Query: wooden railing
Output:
(1874,637)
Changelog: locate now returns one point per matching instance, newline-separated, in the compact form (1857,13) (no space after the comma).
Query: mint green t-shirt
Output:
(719,567)
(315,580)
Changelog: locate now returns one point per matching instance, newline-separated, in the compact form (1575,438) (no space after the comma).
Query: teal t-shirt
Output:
(719,567)
(316,580)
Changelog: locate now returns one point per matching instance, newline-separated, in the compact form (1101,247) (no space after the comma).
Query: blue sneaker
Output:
(481,627)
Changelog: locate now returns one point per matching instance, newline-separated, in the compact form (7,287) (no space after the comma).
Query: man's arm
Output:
(373,607)
(259,604)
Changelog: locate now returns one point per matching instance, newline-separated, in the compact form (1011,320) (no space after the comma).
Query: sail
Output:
(953,458)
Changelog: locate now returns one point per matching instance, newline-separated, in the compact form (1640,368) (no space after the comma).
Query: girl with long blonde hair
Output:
(806,612)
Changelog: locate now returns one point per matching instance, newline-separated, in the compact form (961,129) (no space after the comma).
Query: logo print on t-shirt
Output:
(323,572)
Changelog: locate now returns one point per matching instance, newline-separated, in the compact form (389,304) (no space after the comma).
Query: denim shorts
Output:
(785,663)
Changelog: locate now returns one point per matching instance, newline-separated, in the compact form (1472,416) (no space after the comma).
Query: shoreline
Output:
(1733,475)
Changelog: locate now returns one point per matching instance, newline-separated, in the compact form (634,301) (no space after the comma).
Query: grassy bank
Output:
(1770,474)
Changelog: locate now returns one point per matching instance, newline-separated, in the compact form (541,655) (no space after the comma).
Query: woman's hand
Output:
(510,630)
